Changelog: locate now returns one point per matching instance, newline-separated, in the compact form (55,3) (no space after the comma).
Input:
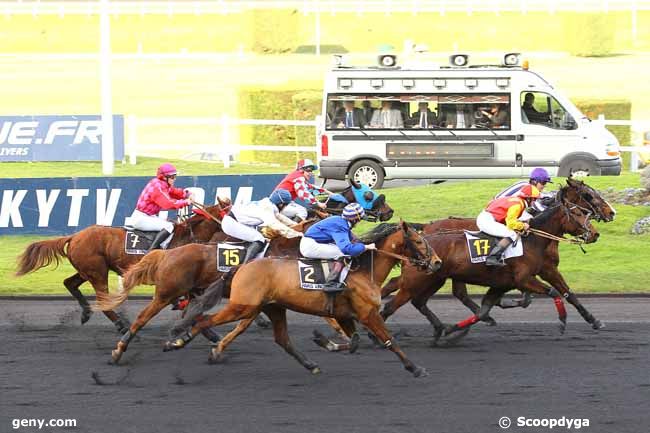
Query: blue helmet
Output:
(280,197)
(353,212)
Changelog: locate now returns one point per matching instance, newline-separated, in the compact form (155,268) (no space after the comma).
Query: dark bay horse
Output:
(576,192)
(96,250)
(380,210)
(520,272)
(272,285)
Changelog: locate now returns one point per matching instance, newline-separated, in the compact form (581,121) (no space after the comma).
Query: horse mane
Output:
(543,217)
(379,232)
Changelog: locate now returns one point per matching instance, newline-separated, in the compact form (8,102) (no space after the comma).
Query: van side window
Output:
(543,109)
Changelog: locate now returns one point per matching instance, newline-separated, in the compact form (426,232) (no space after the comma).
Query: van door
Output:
(549,131)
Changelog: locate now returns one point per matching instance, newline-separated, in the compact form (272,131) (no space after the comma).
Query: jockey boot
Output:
(495,258)
(253,250)
(159,239)
(332,283)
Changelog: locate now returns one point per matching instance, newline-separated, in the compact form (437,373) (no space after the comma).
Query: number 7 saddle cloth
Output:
(480,244)
(138,241)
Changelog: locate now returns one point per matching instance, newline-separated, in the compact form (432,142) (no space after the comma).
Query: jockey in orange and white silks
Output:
(501,218)
(159,194)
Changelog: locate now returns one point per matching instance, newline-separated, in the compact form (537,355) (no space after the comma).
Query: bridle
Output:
(591,209)
(568,207)
(417,258)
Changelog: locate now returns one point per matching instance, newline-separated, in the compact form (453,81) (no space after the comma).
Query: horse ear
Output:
(404,225)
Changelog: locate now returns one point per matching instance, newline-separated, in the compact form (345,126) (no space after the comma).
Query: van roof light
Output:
(525,65)
(459,60)
(387,60)
(511,59)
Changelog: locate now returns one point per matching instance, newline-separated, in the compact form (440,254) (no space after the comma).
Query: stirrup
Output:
(495,261)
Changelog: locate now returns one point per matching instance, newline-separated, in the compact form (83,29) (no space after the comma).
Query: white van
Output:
(459,121)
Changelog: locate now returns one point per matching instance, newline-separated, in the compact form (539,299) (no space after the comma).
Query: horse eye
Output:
(589,197)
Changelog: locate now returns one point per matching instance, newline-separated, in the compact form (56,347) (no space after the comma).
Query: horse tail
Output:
(143,272)
(42,253)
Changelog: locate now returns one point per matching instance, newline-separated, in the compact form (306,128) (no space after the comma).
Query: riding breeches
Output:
(150,223)
(487,224)
(294,209)
(234,228)
(311,249)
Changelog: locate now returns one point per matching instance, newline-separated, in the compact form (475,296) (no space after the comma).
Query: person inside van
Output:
(367,110)
(387,117)
(423,118)
(497,116)
(531,113)
(349,117)
(456,116)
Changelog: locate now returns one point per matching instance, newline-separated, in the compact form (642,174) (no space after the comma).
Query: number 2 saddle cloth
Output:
(138,241)
(232,253)
(480,244)
(314,272)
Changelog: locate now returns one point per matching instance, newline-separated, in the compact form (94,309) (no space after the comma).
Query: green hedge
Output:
(274,104)
(275,31)
(590,34)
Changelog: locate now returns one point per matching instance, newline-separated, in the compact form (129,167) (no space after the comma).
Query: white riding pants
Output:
(150,223)
(294,209)
(234,228)
(487,224)
(311,249)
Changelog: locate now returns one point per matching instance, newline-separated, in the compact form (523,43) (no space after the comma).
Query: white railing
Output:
(225,147)
(36,7)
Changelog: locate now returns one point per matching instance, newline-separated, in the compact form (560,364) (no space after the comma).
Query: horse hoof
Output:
(215,357)
(320,339)
(354,342)
(316,370)
(449,339)
(597,324)
(173,345)
(489,321)
(116,355)
(262,322)
(85,316)
(562,328)
(420,372)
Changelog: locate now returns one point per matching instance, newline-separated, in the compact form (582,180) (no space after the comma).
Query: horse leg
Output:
(278,316)
(557,280)
(143,318)
(230,313)
(522,302)
(98,277)
(537,286)
(489,300)
(420,303)
(371,319)
(459,290)
(401,298)
(216,354)
(72,284)
(345,328)
(391,286)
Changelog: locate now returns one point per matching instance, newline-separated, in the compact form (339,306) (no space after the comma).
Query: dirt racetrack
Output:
(521,368)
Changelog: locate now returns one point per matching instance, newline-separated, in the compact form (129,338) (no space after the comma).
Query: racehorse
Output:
(559,218)
(378,209)
(577,193)
(272,285)
(96,250)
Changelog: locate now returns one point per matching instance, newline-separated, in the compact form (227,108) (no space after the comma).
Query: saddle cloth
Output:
(138,241)
(313,273)
(480,244)
(233,253)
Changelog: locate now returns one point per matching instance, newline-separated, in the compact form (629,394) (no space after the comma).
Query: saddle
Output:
(137,241)
(480,244)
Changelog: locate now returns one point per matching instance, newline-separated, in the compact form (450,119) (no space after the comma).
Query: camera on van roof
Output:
(511,59)
(459,60)
(387,60)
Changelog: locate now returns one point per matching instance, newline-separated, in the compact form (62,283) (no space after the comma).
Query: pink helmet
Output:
(166,170)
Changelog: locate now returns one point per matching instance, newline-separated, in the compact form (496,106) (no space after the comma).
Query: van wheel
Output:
(368,172)
(579,168)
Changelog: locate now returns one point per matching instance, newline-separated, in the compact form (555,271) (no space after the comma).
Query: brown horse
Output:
(578,193)
(559,218)
(96,250)
(380,210)
(272,285)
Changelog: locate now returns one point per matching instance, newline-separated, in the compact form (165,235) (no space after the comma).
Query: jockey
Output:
(159,194)
(332,238)
(298,185)
(539,177)
(500,218)
(243,220)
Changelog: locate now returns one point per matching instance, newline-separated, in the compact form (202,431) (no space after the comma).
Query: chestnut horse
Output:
(96,250)
(561,217)
(578,193)
(272,285)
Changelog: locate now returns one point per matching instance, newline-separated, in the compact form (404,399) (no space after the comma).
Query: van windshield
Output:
(409,111)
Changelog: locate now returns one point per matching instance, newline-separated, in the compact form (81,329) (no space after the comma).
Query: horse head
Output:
(565,217)
(421,254)
(581,194)
(374,204)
